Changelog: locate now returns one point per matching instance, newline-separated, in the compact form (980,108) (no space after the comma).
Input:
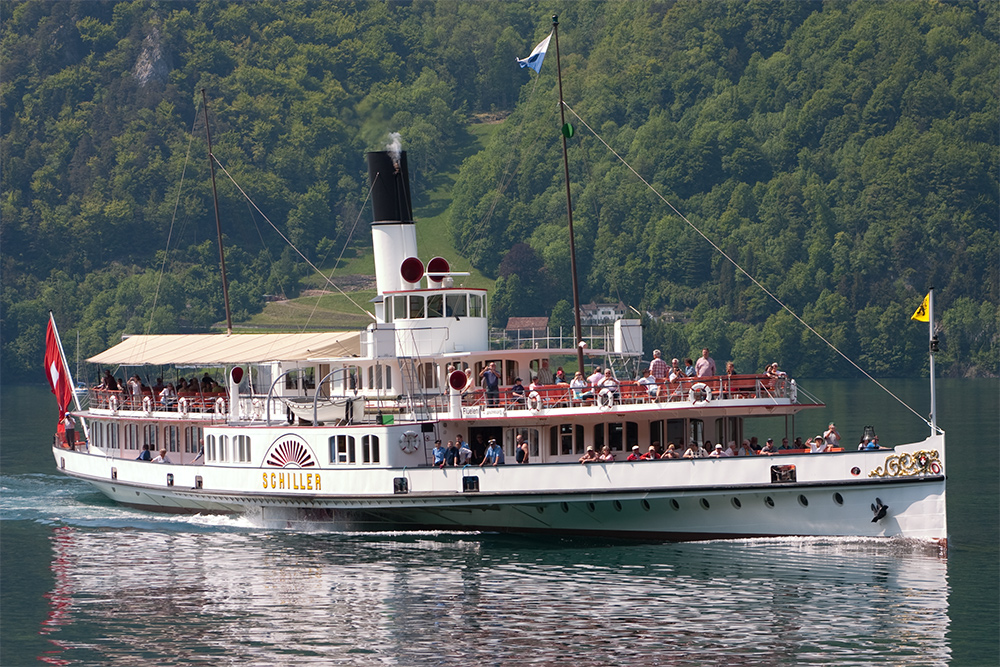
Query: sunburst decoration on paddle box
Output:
(290,452)
(923,462)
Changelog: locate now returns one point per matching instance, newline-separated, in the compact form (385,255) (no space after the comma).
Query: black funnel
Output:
(390,181)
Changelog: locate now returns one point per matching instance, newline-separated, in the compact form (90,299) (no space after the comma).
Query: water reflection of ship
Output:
(238,595)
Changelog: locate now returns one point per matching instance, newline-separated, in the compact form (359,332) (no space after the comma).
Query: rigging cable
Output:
(288,241)
(740,268)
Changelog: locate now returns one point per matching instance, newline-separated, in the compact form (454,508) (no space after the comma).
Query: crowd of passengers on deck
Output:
(659,382)
(132,393)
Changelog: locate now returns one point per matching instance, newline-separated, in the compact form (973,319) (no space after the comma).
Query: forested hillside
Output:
(844,153)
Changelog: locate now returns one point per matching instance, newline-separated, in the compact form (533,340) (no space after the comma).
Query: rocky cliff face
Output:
(152,65)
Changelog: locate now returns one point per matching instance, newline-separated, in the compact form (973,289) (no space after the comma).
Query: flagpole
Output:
(933,346)
(69,374)
(569,206)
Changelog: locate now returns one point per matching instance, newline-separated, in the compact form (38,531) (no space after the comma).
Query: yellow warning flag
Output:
(923,314)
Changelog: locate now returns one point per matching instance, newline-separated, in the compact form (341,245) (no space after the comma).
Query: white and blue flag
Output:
(534,61)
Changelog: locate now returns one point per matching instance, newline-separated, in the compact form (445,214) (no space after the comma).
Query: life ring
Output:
(699,387)
(606,399)
(147,405)
(408,441)
(534,401)
(113,403)
(182,406)
(220,406)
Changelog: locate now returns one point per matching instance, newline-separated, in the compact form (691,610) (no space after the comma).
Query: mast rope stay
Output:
(289,242)
(740,268)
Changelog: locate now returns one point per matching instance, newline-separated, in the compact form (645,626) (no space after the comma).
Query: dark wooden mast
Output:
(567,130)
(218,223)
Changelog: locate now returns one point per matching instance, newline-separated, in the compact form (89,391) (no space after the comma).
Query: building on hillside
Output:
(593,314)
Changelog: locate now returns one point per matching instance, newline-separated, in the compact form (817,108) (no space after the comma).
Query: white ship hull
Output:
(670,499)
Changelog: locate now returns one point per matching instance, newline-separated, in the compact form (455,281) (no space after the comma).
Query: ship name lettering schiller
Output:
(294,481)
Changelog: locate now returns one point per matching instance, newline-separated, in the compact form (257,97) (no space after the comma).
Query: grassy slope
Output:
(334,310)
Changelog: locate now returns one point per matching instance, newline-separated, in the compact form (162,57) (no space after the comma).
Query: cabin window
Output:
(697,431)
(621,433)
(223,447)
(210,449)
(149,432)
(131,436)
(598,439)
(416,307)
(193,439)
(342,449)
(675,433)
(242,446)
(455,305)
(563,439)
(476,306)
(171,438)
(369,449)
(399,307)
(435,305)
(386,309)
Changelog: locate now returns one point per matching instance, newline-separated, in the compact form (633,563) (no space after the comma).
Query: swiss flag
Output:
(55,370)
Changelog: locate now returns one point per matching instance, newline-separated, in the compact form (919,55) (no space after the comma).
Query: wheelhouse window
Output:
(211,452)
(456,306)
(435,305)
(369,449)
(477,307)
(416,306)
(399,310)
(223,447)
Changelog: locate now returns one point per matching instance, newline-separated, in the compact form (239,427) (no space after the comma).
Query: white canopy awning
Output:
(218,349)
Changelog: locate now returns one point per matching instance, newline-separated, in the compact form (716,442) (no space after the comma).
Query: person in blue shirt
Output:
(494,455)
(517,394)
(146,455)
(491,382)
(451,454)
(439,454)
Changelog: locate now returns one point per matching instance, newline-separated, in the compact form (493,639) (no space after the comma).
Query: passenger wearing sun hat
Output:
(634,456)
(717,452)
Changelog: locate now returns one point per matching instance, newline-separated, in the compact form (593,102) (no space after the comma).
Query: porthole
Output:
(704,503)
(591,506)
(736,503)
(645,505)
(803,501)
(839,499)
(855,471)
(564,506)
(673,503)
(769,501)
(618,506)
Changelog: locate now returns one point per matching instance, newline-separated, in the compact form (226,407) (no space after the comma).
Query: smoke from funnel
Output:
(394,147)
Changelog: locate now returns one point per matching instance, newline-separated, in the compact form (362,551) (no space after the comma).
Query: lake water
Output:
(86,582)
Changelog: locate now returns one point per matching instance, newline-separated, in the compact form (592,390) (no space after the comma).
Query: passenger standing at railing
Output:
(491,383)
(464,453)
(517,394)
(689,368)
(561,376)
(578,387)
(705,366)
(451,454)
(648,382)
(831,436)
(544,375)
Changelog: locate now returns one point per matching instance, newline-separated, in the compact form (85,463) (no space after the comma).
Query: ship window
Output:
(369,449)
(149,432)
(242,446)
(192,439)
(342,449)
(210,453)
(171,438)
(399,307)
(455,305)
(131,436)
(476,306)
(598,439)
(435,305)
(621,433)
(428,375)
(416,307)
(223,447)
(697,431)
